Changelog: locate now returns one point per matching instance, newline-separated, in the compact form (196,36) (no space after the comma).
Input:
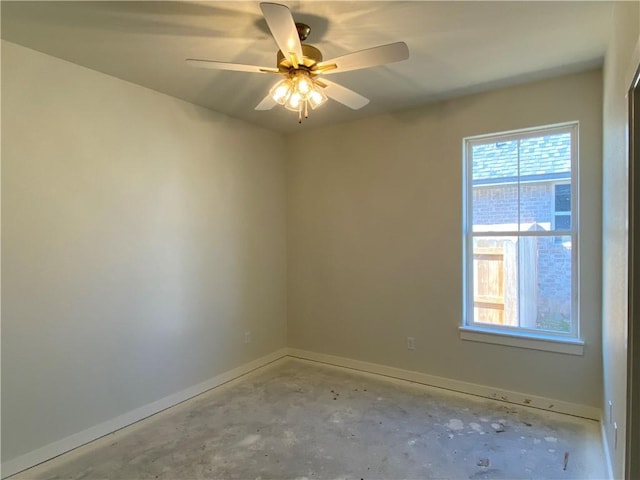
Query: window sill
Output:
(570,346)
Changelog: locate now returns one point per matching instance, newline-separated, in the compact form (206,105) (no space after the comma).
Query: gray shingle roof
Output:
(541,158)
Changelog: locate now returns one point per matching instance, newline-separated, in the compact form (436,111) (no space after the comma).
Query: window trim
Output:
(570,342)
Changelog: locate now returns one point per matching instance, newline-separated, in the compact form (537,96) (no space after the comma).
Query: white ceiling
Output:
(455,47)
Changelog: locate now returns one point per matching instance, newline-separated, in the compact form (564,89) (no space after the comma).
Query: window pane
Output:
(495,286)
(545,156)
(545,286)
(543,160)
(563,222)
(495,162)
(495,208)
(523,282)
(536,207)
(563,198)
(494,170)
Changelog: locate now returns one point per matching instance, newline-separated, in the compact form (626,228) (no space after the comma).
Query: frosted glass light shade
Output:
(294,102)
(317,97)
(281,91)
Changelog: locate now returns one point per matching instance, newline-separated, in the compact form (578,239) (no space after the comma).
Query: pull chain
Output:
(306,111)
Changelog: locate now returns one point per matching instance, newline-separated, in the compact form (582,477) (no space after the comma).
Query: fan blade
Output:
(267,103)
(236,67)
(371,57)
(343,95)
(284,30)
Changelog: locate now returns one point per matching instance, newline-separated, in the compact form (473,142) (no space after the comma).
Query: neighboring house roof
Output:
(541,158)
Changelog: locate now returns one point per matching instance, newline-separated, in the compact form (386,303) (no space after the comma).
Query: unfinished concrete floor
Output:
(299,419)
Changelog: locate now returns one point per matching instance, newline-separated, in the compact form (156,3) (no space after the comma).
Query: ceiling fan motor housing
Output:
(310,56)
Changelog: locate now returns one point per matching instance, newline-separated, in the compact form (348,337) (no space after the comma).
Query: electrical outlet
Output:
(247,336)
(411,343)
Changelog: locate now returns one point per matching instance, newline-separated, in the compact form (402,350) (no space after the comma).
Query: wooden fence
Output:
(501,296)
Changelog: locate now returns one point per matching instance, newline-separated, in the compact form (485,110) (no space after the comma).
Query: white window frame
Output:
(570,342)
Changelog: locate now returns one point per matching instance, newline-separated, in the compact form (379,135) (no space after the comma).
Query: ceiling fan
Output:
(303,68)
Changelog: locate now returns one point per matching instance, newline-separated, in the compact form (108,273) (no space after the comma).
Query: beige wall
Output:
(619,67)
(375,239)
(142,236)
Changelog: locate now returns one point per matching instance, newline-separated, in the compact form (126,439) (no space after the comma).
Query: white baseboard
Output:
(605,446)
(76,440)
(585,411)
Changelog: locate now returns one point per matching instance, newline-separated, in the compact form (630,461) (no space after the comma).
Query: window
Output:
(521,235)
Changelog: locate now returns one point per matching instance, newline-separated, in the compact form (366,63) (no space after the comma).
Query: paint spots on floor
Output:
(497,427)
(248,440)
(336,417)
(290,438)
(477,427)
(455,424)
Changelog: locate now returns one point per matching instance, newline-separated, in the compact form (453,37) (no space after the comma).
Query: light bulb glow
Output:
(295,102)
(317,97)
(304,85)
(281,91)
